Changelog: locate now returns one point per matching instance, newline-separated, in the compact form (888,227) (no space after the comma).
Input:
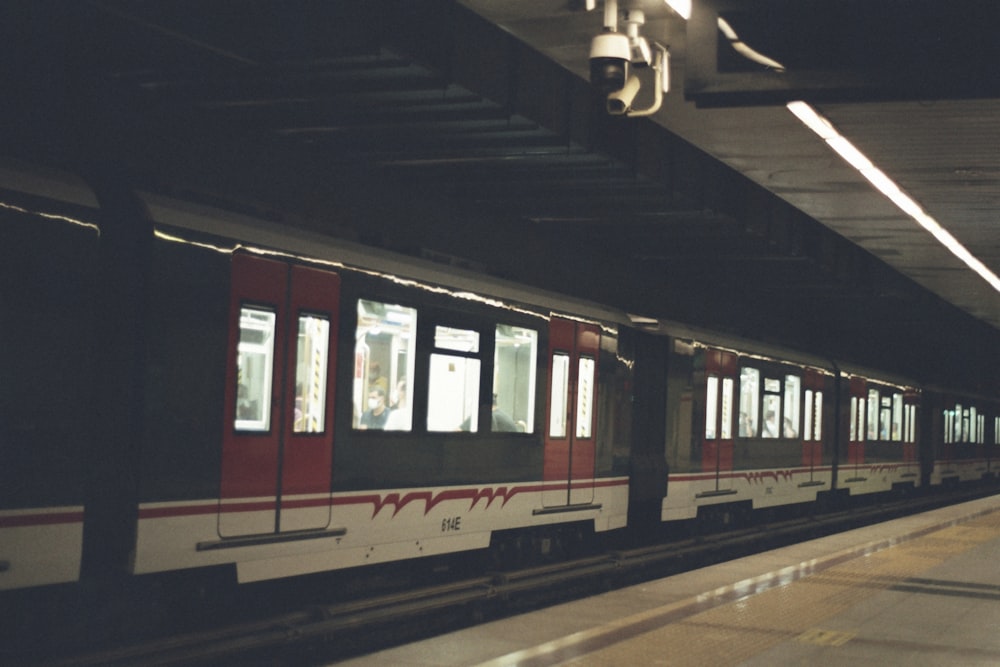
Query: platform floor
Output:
(924,590)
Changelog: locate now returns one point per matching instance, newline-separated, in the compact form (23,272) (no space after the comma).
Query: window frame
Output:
(486,322)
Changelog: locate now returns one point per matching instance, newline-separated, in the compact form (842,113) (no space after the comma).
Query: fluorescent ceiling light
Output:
(826,131)
(682,7)
(852,155)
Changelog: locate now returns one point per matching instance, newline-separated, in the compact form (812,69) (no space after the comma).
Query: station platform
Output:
(922,590)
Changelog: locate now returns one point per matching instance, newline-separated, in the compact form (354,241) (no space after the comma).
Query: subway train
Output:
(297,404)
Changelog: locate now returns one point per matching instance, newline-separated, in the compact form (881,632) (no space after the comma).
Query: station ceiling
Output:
(466,131)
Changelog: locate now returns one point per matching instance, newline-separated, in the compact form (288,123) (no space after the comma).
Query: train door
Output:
(812,414)
(719,442)
(856,437)
(277,445)
(911,402)
(570,450)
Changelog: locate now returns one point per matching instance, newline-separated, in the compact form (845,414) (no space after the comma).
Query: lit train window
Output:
(873,412)
(958,424)
(817,416)
(996,430)
(585,398)
(727,409)
(770,425)
(949,427)
(459,340)
(807,432)
(910,434)
(514,368)
(711,406)
(384,359)
(857,419)
(255,361)
(310,374)
(854,419)
(897,417)
(453,391)
(885,418)
(749,402)
(981,436)
(790,420)
(560,395)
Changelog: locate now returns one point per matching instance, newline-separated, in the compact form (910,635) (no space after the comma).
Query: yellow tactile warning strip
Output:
(735,623)
(825,637)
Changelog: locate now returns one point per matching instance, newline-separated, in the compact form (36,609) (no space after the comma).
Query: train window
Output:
(255,361)
(857,419)
(973,425)
(384,358)
(911,424)
(897,418)
(873,412)
(559,398)
(790,420)
(711,406)
(996,430)
(817,416)
(514,368)
(958,423)
(585,398)
(949,426)
(453,391)
(885,417)
(981,435)
(853,437)
(310,374)
(459,340)
(807,414)
(749,401)
(769,427)
(727,409)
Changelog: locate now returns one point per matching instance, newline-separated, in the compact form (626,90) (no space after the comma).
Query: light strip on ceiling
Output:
(682,7)
(825,130)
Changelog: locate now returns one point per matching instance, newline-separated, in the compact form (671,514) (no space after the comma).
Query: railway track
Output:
(328,632)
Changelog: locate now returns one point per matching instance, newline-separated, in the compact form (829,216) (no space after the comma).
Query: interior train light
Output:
(889,189)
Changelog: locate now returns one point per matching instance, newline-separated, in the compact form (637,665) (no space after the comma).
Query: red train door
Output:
(812,423)
(277,445)
(719,439)
(859,421)
(570,450)
(911,403)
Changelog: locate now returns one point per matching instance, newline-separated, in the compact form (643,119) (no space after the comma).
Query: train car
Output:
(964,434)
(751,427)
(317,407)
(748,428)
(879,427)
(305,405)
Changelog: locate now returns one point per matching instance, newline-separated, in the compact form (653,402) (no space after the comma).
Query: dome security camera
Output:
(610,54)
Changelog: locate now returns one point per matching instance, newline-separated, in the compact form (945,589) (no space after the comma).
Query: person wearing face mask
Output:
(377,413)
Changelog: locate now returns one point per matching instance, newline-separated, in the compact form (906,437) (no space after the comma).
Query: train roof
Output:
(311,246)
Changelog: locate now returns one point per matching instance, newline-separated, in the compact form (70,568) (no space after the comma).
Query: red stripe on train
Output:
(378,501)
(42,519)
